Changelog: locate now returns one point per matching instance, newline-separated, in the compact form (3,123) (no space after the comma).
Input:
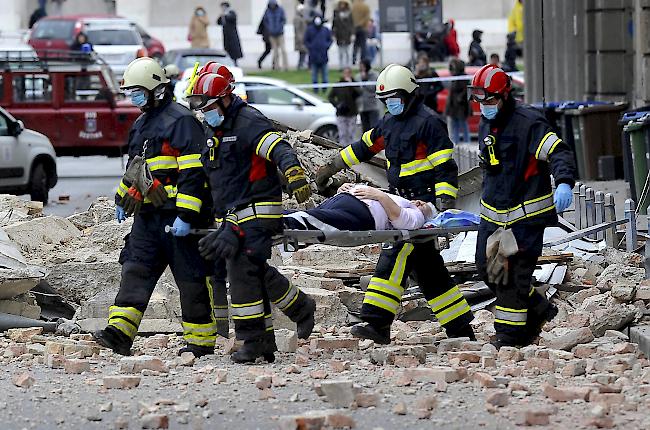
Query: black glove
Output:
(223,243)
(334,166)
(297,183)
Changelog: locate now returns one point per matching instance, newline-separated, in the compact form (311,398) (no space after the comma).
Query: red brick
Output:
(565,394)
(331,344)
(485,380)
(121,382)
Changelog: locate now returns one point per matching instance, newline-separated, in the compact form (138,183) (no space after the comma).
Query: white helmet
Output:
(144,72)
(394,78)
(171,70)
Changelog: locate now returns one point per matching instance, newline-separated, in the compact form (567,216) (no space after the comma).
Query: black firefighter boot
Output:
(112,338)
(465,331)
(536,321)
(255,348)
(197,350)
(305,326)
(380,335)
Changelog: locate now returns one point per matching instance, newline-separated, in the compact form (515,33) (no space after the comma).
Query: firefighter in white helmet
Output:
(421,167)
(166,138)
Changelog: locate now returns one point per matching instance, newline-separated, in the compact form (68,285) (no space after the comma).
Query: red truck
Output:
(72,100)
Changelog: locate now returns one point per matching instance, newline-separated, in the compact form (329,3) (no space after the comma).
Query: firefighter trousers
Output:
(254,285)
(423,261)
(147,252)
(520,310)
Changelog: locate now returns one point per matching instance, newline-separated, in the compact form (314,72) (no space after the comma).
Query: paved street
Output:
(83,179)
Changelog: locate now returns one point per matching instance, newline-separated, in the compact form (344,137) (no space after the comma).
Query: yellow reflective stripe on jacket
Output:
(547,146)
(267,143)
(186,201)
(189,161)
(172,191)
(366,138)
(415,166)
(439,157)
(162,162)
(122,189)
(510,316)
(349,157)
(446,188)
(529,209)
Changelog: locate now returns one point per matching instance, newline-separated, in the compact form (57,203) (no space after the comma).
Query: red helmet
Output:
(490,81)
(218,68)
(208,88)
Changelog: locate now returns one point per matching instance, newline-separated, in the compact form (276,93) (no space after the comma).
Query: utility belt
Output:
(528,209)
(422,193)
(258,210)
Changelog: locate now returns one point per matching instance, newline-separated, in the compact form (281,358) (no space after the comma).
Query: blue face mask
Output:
(395,105)
(138,98)
(489,111)
(213,118)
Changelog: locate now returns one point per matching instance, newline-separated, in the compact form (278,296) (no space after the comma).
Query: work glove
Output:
(501,245)
(157,194)
(180,228)
(297,183)
(335,165)
(120,215)
(223,243)
(563,197)
(132,202)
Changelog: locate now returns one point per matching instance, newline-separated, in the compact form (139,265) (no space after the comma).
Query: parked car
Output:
(155,47)
(517,91)
(117,40)
(27,160)
(185,58)
(281,102)
(73,101)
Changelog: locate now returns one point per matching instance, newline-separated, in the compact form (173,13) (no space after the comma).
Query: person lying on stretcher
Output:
(361,208)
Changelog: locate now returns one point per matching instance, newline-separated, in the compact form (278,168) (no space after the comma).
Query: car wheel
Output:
(328,132)
(38,185)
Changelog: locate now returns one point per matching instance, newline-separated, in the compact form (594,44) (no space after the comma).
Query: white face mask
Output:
(318,21)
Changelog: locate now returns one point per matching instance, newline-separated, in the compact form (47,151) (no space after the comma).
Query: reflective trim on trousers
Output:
(509,316)
(381,301)
(288,298)
(247,310)
(447,189)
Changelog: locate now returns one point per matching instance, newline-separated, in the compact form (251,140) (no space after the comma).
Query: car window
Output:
(54,29)
(32,88)
(113,37)
(268,94)
(4,126)
(84,88)
(188,61)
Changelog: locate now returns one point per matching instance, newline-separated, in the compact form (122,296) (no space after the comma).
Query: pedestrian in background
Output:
(516,26)
(38,14)
(274,21)
(299,27)
(81,43)
(198,33)
(429,90)
(318,40)
(369,107)
(361,18)
(344,99)
(451,39)
(510,60)
(262,31)
(228,20)
(476,53)
(458,108)
(372,43)
(342,28)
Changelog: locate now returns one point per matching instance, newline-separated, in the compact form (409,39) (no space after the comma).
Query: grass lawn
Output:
(292,76)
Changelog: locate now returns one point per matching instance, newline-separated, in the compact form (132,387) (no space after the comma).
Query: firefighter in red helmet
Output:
(241,159)
(519,152)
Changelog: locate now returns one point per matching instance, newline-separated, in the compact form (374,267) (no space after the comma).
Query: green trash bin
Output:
(596,132)
(638,134)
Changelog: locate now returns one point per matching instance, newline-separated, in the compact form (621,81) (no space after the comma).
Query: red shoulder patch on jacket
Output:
(421,151)
(531,169)
(167,149)
(377,145)
(258,168)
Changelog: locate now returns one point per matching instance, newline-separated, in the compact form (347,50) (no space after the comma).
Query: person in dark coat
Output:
(81,43)
(510,63)
(38,14)
(476,53)
(263,31)
(318,40)
(429,90)
(344,99)
(228,20)
(458,108)
(343,28)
